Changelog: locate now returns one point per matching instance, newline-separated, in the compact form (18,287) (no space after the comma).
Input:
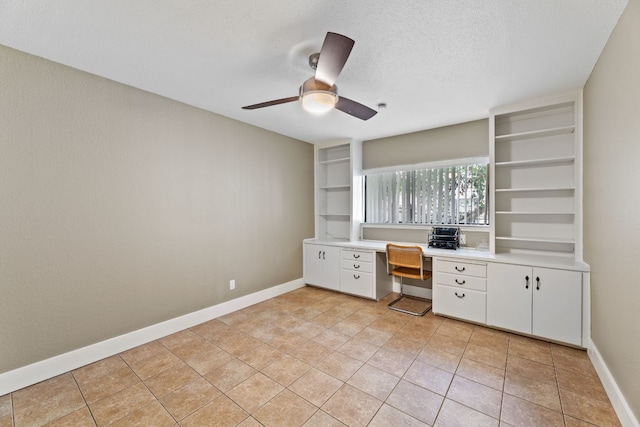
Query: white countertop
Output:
(564,263)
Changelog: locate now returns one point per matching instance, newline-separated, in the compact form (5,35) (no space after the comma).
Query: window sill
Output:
(465,227)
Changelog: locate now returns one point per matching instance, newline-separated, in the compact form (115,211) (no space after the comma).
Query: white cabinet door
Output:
(557,305)
(509,297)
(322,266)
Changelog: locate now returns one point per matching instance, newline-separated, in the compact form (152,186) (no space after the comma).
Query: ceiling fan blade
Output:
(270,103)
(333,55)
(355,108)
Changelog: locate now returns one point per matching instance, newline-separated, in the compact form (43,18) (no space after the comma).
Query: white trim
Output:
(426,227)
(416,291)
(482,160)
(31,374)
(619,403)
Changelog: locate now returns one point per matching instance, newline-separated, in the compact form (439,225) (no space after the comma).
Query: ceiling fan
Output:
(319,94)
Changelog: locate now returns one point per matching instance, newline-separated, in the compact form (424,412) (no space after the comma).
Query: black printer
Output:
(444,237)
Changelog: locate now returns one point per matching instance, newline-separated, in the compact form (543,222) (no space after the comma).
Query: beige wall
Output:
(612,202)
(464,140)
(459,141)
(120,209)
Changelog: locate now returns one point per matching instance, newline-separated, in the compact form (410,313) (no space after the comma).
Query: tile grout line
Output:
(84,399)
(13,418)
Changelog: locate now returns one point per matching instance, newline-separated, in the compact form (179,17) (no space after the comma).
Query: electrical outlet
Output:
(232,284)
(463,239)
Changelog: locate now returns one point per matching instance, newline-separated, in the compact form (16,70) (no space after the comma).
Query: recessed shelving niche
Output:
(334,191)
(536,162)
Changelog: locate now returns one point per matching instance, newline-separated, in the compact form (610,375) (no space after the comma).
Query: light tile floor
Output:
(317,358)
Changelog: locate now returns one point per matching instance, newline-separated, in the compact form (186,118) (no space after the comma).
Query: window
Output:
(453,195)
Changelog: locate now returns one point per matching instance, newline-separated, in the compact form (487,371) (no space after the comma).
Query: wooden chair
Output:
(407,261)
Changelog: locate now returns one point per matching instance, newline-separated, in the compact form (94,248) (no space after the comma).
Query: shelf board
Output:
(533,162)
(541,189)
(533,213)
(536,112)
(334,214)
(536,133)
(536,239)
(327,162)
(335,187)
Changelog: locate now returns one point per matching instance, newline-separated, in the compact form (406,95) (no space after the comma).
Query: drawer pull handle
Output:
(526,286)
(319,254)
(322,254)
(460,296)
(461,283)
(356,276)
(356,256)
(460,269)
(537,283)
(356,265)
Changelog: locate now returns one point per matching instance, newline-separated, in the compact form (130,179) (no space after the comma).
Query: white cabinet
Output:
(459,289)
(536,160)
(543,302)
(354,271)
(322,265)
(357,275)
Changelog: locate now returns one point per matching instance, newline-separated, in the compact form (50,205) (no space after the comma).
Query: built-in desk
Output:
(359,267)
(542,296)
(564,263)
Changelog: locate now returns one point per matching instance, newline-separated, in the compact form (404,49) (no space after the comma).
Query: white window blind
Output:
(455,194)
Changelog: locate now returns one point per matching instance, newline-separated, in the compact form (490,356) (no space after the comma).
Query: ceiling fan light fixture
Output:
(319,94)
(319,101)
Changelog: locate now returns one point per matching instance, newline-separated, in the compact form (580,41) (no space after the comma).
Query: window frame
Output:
(429,165)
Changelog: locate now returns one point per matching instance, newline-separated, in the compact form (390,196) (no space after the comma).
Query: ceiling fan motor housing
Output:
(313,85)
(313,60)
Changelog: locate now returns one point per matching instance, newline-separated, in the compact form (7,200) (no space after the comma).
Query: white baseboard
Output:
(416,291)
(619,403)
(31,374)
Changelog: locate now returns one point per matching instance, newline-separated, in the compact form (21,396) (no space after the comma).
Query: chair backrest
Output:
(404,256)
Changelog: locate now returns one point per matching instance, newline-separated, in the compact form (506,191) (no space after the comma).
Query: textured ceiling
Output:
(432,62)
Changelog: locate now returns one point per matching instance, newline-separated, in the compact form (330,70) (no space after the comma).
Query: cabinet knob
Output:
(356,276)
(461,282)
(460,269)
(526,286)
(460,296)
(538,283)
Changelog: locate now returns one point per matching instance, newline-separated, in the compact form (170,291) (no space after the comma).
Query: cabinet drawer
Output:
(357,283)
(461,303)
(366,256)
(462,268)
(366,267)
(461,281)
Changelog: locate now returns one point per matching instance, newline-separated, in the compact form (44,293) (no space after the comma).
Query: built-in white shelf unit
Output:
(335,189)
(536,162)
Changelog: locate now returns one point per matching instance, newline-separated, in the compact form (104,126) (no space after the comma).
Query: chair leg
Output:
(402,296)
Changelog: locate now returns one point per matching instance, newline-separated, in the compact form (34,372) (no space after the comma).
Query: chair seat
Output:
(411,273)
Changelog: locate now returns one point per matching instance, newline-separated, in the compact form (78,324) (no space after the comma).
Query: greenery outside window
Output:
(454,194)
